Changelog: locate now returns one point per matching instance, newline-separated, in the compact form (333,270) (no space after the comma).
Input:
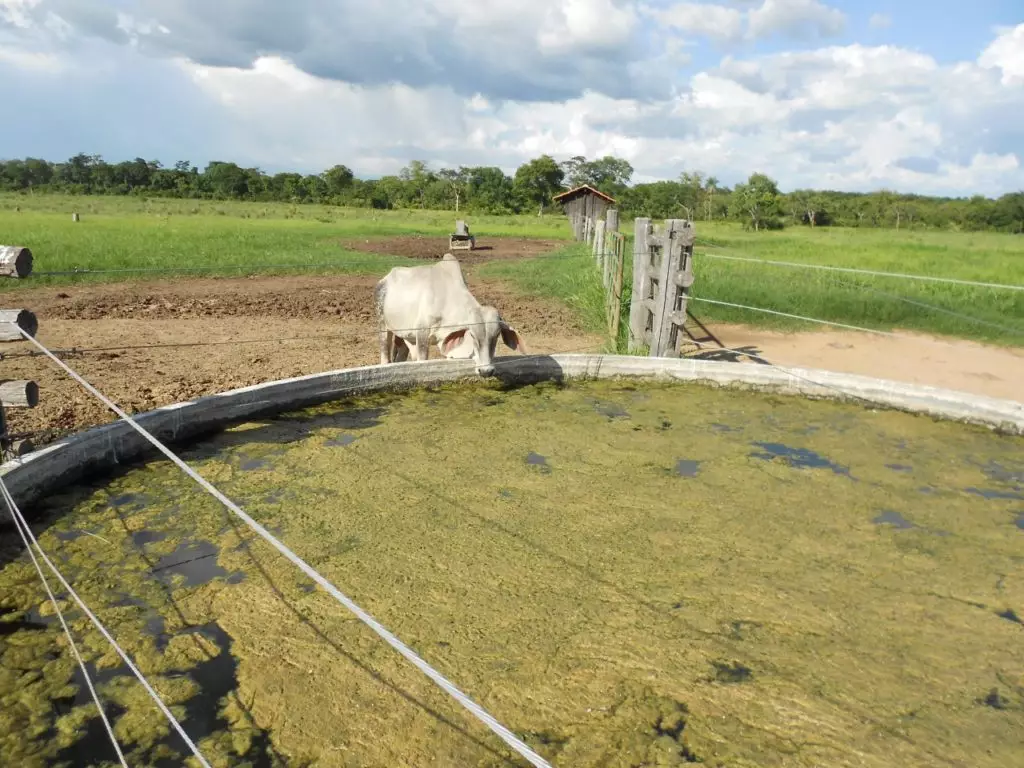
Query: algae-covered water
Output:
(624,575)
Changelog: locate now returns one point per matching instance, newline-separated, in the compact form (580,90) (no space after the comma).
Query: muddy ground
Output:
(232,333)
(147,344)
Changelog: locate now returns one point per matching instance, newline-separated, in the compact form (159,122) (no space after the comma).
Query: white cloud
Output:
(715,21)
(788,18)
(1007,54)
(880,21)
(795,18)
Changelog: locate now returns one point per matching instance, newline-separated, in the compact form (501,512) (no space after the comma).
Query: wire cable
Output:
(103,630)
(475,709)
(876,273)
(19,521)
(795,317)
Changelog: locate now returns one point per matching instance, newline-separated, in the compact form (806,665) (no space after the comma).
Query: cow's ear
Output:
(511,338)
(451,340)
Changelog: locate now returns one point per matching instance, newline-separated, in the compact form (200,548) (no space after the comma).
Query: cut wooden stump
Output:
(15,261)
(13,321)
(19,394)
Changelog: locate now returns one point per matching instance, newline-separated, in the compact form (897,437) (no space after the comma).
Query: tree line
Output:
(757,203)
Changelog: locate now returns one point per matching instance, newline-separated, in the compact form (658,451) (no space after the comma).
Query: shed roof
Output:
(583,189)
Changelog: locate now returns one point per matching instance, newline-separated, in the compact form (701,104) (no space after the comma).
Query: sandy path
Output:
(915,358)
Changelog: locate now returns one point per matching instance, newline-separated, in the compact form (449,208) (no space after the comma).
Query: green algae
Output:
(624,575)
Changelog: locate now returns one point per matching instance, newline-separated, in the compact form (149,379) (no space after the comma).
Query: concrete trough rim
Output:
(39,473)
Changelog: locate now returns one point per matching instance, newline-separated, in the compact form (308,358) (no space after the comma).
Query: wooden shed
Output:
(581,204)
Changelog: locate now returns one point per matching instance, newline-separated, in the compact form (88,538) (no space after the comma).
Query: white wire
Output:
(877,273)
(475,709)
(19,521)
(795,317)
(103,630)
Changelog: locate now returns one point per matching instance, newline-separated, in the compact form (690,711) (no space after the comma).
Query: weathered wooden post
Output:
(15,261)
(607,263)
(620,261)
(599,243)
(675,276)
(637,305)
(662,276)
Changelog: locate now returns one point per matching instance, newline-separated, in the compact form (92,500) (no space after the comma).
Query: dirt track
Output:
(235,332)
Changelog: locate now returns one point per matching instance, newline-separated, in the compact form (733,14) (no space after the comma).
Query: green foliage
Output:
(539,180)
(756,203)
(488,190)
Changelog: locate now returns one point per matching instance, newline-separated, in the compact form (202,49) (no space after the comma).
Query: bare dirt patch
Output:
(431,247)
(913,358)
(154,343)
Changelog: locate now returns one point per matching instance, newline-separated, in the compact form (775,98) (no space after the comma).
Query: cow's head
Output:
(479,339)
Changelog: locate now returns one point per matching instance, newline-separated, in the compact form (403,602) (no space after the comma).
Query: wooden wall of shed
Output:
(582,207)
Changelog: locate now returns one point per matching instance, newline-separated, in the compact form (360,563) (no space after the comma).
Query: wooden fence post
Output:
(598,247)
(637,304)
(662,276)
(675,276)
(620,261)
(608,246)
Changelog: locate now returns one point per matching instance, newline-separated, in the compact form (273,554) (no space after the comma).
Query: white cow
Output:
(417,306)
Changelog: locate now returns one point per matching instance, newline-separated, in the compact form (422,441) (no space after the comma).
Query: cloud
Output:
(1007,54)
(880,21)
(803,19)
(525,50)
(806,19)
(714,21)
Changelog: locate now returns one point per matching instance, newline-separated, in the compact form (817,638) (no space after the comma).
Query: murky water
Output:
(622,574)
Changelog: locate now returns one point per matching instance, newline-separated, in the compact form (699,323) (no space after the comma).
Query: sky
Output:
(919,96)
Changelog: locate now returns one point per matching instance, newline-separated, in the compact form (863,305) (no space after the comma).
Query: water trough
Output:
(639,616)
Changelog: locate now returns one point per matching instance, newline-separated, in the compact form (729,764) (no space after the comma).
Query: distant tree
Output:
(607,174)
(710,188)
(538,181)
(757,200)
(337,180)
(456,180)
(691,185)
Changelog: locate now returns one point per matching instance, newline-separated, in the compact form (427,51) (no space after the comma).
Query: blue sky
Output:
(911,95)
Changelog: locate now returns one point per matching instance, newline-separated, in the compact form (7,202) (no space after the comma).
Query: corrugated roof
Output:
(585,187)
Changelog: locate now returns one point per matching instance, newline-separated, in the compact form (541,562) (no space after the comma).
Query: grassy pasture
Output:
(881,303)
(246,238)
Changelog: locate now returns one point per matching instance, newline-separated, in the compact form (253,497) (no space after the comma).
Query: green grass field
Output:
(882,303)
(214,237)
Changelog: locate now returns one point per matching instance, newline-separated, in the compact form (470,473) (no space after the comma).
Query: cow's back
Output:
(415,295)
